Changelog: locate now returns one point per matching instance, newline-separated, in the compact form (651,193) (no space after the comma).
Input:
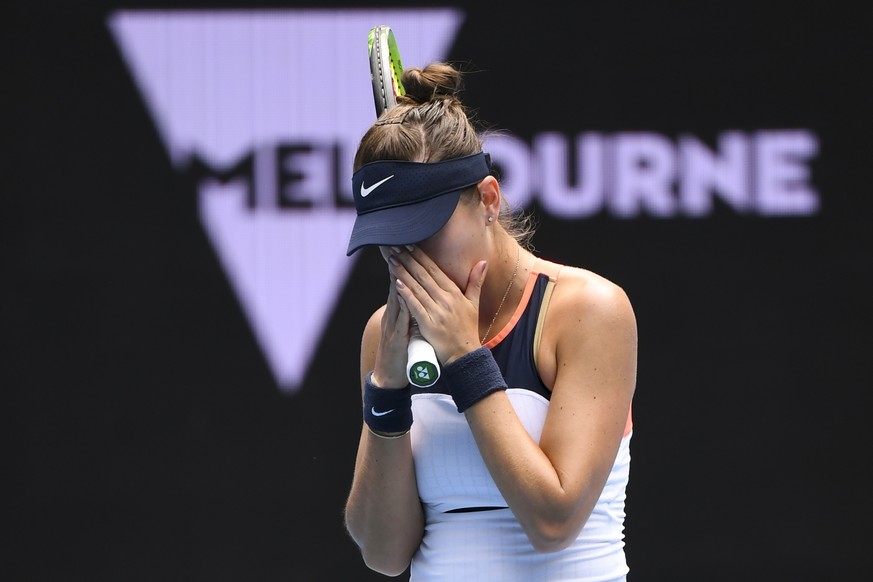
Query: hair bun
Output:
(435,81)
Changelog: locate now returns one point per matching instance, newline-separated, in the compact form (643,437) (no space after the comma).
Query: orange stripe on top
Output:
(629,425)
(519,311)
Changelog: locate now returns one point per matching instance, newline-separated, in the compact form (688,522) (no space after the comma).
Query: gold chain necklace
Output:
(505,295)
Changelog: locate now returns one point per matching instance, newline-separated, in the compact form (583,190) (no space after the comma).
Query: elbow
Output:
(387,565)
(381,557)
(388,553)
(387,557)
(556,528)
(554,536)
(550,544)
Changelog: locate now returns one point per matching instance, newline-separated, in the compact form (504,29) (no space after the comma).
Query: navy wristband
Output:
(472,377)
(387,410)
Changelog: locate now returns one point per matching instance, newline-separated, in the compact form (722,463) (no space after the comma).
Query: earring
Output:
(490,219)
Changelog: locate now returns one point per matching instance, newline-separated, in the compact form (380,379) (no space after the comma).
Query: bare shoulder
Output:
(588,317)
(580,291)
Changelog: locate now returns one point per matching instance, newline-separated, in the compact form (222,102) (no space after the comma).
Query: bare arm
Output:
(553,487)
(588,358)
(383,513)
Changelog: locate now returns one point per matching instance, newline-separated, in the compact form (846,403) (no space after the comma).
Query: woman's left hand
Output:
(447,317)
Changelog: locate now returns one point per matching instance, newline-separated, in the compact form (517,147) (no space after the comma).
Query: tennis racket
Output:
(385,68)
(422,366)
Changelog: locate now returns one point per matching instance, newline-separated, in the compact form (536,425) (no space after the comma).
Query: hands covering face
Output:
(447,317)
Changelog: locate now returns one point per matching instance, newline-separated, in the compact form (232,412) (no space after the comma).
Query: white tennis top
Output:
(489,545)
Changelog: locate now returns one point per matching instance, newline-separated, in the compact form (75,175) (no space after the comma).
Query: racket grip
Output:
(422,366)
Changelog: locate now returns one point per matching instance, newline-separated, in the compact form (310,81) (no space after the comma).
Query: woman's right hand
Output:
(391,356)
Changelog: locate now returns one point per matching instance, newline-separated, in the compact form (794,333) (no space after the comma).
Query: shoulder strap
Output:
(544,306)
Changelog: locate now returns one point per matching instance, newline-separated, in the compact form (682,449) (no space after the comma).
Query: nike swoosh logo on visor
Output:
(373,410)
(366,191)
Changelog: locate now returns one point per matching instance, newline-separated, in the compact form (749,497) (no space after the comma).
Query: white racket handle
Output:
(422,366)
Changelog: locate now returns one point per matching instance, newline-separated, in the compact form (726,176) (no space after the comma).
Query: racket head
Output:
(385,67)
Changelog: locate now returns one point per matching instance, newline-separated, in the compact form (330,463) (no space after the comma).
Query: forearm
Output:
(519,468)
(551,505)
(383,513)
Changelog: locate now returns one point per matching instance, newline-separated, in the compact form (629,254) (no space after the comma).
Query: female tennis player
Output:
(514,465)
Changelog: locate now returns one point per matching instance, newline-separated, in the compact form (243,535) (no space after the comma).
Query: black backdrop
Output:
(148,440)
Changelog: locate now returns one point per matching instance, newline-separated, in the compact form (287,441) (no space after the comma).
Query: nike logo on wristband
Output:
(366,191)
(375,413)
